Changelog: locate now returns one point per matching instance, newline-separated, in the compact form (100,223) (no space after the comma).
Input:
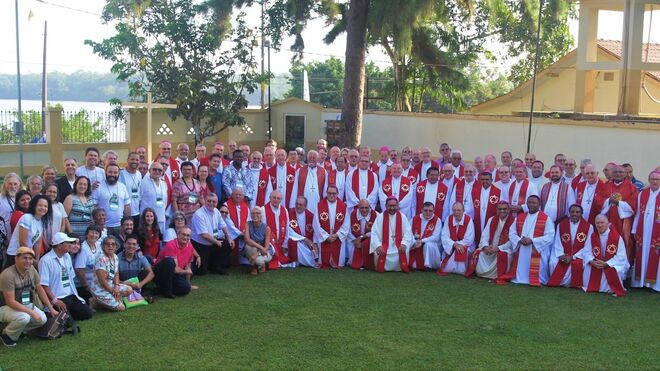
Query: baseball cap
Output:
(61,237)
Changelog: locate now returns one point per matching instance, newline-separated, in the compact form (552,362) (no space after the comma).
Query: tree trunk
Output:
(356,48)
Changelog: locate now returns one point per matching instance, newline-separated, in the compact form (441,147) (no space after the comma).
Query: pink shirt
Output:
(172,250)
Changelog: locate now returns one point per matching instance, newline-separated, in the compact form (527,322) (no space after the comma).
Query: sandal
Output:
(254,272)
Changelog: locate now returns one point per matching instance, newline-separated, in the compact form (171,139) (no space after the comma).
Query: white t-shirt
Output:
(132,183)
(59,214)
(35,230)
(112,198)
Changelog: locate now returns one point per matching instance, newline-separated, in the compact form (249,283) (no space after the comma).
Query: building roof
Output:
(613,47)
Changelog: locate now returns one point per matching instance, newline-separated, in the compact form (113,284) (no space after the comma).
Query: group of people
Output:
(100,232)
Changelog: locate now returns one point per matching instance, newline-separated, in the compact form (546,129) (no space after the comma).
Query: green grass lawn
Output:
(308,319)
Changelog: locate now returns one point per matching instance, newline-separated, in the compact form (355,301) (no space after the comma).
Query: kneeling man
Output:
(391,238)
(605,260)
(457,241)
(493,256)
(565,263)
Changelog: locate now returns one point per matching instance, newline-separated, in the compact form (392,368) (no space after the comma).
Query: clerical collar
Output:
(274,208)
(533,213)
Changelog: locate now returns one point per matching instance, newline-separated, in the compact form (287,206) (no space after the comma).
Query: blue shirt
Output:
(133,268)
(217,184)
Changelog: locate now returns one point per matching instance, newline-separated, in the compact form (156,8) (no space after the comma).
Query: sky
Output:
(70,22)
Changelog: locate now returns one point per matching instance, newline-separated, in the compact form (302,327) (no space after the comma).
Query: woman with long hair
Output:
(21,205)
(60,218)
(79,205)
(177,222)
(205,182)
(31,228)
(149,235)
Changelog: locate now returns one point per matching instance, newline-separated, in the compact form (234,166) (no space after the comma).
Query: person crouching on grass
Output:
(256,248)
(107,289)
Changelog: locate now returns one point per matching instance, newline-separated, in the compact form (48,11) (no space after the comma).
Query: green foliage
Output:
(186,54)
(302,319)
(79,127)
(77,86)
(514,23)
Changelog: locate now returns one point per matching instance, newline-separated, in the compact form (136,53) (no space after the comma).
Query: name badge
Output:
(66,282)
(25,298)
(216,233)
(192,198)
(159,201)
(134,192)
(114,202)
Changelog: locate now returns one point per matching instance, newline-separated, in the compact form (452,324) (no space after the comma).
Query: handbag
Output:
(135,299)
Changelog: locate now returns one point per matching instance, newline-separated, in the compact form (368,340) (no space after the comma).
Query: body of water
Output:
(12,104)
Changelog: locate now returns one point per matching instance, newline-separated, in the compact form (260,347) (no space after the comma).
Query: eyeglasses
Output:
(179,219)
(331,193)
(164,164)
(157,170)
(226,212)
(184,234)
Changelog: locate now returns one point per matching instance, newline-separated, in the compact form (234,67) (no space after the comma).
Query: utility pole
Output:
(44,83)
(536,66)
(263,39)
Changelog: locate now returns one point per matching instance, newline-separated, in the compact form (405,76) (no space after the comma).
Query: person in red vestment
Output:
(621,205)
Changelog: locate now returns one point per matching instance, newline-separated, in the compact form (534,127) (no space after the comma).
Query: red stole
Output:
(262,186)
(570,248)
(416,256)
(535,259)
(174,169)
(419,167)
(456,234)
(302,180)
(562,194)
(168,183)
(374,167)
(412,175)
(289,179)
(522,194)
(577,180)
(330,250)
(355,182)
(461,171)
(504,237)
(494,194)
(332,176)
(277,235)
(307,232)
(239,221)
(398,236)
(361,257)
(596,201)
(610,273)
(440,196)
(404,187)
(628,194)
(460,189)
(654,253)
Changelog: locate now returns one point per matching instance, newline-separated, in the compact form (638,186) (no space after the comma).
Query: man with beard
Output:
(391,239)
(113,198)
(331,228)
(566,264)
(492,256)
(235,175)
(131,178)
(556,196)
(520,190)
(153,193)
(426,251)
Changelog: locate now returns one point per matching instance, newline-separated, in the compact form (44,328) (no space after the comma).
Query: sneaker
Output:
(7,341)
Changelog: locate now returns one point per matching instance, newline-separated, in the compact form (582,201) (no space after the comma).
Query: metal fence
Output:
(81,126)
(92,127)
(32,128)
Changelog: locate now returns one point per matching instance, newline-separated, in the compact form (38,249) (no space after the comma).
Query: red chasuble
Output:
(494,194)
(174,169)
(404,187)
(416,256)
(262,186)
(302,179)
(306,230)
(456,234)
(398,237)
(361,257)
(412,175)
(562,194)
(239,221)
(289,178)
(535,259)
(605,253)
(596,202)
(277,235)
(628,194)
(654,250)
(570,248)
(440,196)
(330,250)
(504,237)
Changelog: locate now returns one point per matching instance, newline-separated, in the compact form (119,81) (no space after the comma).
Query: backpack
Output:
(56,326)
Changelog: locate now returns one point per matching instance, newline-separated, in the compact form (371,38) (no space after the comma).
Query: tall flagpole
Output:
(536,66)
(18,81)
(44,82)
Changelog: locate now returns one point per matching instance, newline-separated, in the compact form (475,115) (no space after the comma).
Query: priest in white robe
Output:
(331,228)
(361,184)
(358,241)
(457,241)
(531,235)
(311,181)
(556,196)
(504,183)
(605,260)
(426,251)
(566,264)
(399,187)
(391,238)
(520,190)
(302,251)
(463,190)
(646,228)
(494,241)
